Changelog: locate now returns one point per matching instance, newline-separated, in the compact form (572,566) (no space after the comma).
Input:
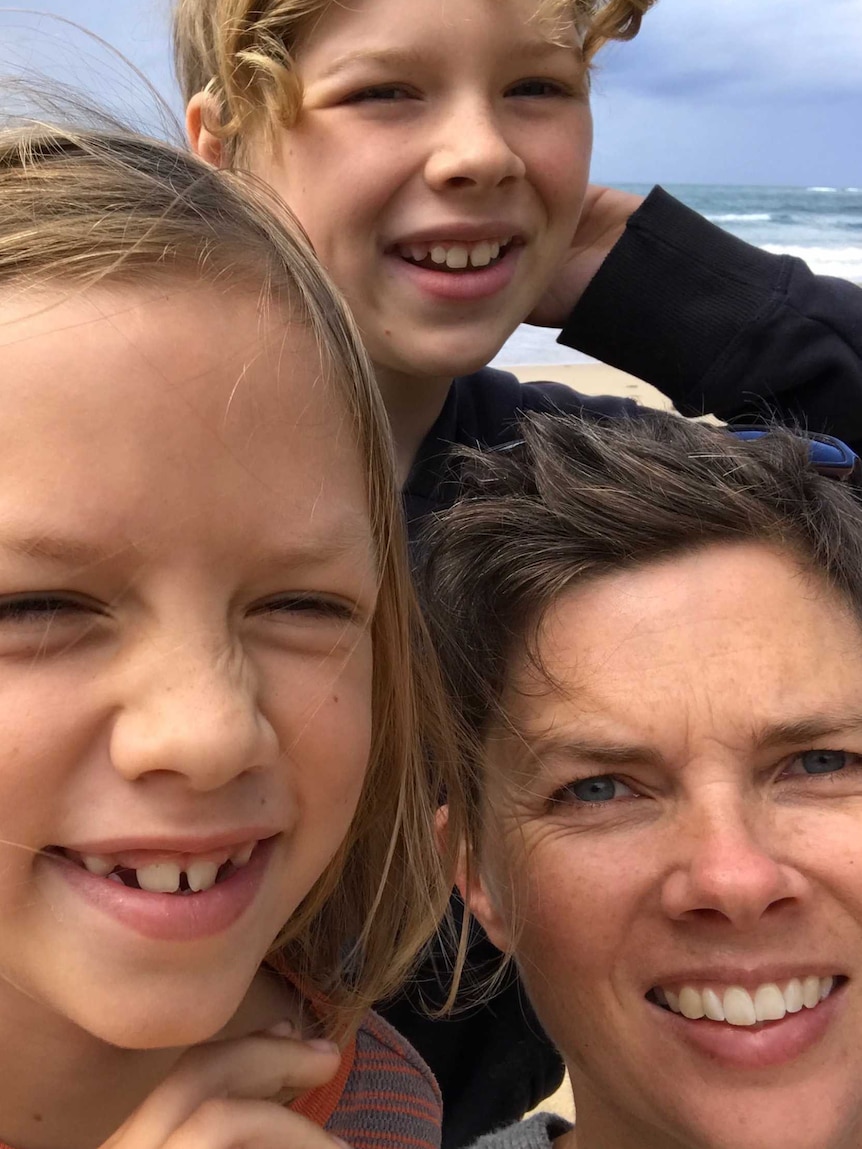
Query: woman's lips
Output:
(173,917)
(762,1045)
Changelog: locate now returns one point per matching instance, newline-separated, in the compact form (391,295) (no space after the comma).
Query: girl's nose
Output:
(472,151)
(728,871)
(193,712)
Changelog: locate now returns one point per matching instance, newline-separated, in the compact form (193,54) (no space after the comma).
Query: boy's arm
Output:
(714,323)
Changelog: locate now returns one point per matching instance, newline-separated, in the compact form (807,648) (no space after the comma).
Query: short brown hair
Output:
(242,51)
(576,500)
(82,208)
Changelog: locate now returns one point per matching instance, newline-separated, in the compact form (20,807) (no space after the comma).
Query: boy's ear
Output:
(201,140)
(478,897)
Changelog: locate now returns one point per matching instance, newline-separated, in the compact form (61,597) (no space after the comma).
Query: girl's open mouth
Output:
(177,874)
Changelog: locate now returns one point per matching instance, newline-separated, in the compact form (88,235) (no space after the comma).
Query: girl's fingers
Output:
(253,1068)
(249,1125)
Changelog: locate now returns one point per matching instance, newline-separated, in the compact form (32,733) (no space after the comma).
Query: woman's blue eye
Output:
(601,788)
(823,761)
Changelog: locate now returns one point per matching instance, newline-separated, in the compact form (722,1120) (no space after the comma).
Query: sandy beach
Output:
(594,379)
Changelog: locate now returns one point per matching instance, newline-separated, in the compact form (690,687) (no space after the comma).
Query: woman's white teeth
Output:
(737,1006)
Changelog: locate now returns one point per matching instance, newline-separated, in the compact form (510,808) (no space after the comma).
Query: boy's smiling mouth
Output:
(456,255)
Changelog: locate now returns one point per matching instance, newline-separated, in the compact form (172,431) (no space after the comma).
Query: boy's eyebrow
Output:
(393,57)
(534,49)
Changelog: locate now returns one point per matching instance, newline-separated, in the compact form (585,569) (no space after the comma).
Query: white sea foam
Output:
(845,262)
(741,217)
(824,190)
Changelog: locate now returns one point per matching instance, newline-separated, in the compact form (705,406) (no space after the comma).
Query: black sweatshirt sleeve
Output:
(720,326)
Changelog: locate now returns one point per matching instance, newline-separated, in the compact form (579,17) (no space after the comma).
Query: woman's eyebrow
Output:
(553,750)
(802,730)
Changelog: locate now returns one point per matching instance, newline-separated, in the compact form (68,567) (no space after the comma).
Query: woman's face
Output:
(679,820)
(186,579)
(439,165)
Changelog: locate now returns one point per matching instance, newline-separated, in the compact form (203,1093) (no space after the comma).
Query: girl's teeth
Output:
(737,1006)
(438,254)
(480,256)
(241,857)
(201,876)
(97,864)
(159,878)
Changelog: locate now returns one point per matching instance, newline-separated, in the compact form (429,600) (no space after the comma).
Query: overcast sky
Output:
(712,91)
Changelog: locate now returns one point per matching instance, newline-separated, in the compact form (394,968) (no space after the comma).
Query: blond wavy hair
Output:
(83,208)
(242,52)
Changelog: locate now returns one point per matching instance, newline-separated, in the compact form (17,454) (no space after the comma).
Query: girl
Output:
(437,155)
(215,819)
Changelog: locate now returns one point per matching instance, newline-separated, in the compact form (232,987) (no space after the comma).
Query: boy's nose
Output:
(193,712)
(472,150)
(727,870)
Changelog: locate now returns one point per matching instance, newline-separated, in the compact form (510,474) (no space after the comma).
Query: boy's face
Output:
(439,165)
(682,815)
(186,578)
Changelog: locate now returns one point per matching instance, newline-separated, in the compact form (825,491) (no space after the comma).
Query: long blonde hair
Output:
(87,207)
(242,52)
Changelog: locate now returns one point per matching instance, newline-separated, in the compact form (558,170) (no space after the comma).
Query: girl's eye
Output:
(822,762)
(40,608)
(599,788)
(381,93)
(305,606)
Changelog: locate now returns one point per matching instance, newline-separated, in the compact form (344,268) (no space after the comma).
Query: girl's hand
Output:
(230,1095)
(603,220)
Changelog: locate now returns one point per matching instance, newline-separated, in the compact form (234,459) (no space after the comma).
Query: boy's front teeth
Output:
(457,256)
(737,1006)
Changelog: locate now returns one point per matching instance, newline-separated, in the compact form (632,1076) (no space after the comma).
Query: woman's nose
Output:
(471,150)
(727,870)
(192,711)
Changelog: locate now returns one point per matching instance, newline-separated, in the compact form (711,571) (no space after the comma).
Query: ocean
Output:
(822,225)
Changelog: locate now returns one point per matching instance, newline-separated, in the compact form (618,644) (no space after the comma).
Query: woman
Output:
(653,632)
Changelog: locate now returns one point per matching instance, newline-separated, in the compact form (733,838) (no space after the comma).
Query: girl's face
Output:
(439,165)
(682,823)
(186,581)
